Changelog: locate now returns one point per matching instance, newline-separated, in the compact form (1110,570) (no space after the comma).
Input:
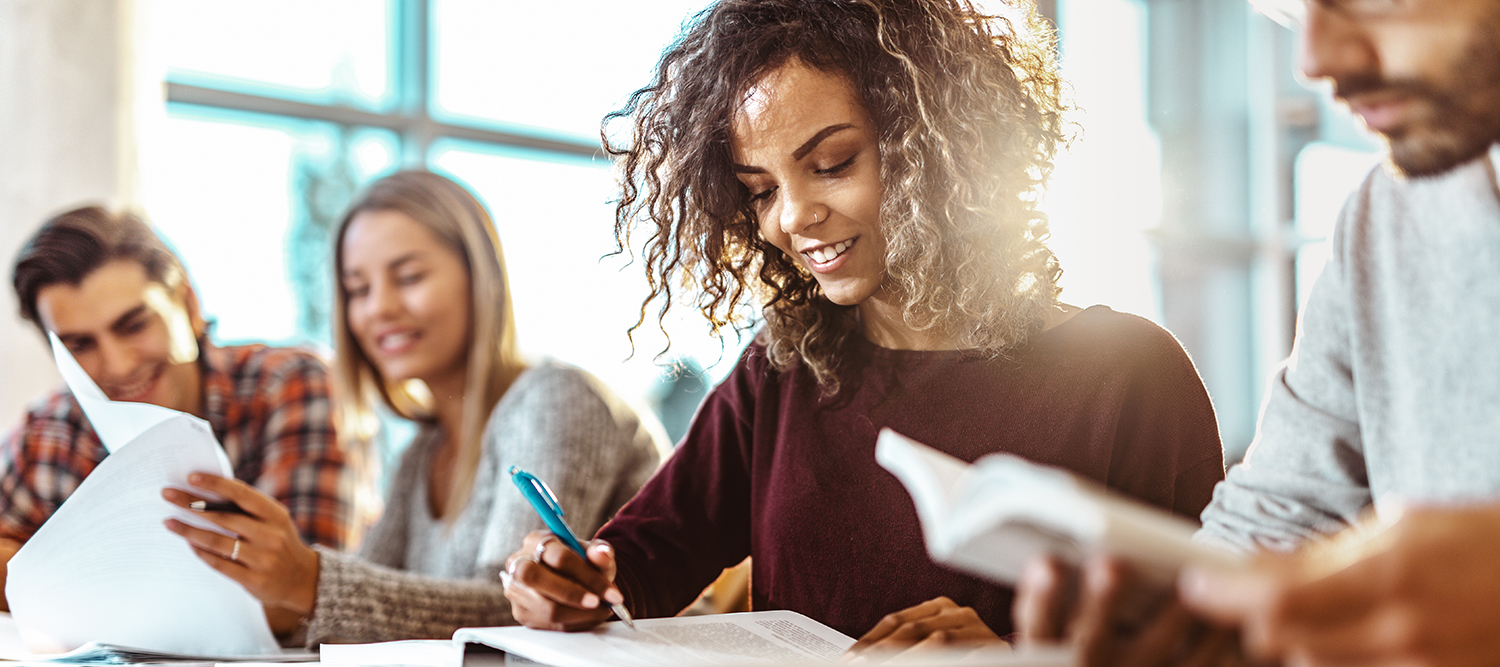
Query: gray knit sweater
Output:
(419,577)
(1392,392)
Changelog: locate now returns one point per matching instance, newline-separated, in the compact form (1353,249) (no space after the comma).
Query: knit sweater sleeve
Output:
(359,601)
(1304,475)
(556,422)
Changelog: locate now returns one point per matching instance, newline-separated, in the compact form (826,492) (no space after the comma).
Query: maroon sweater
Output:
(772,469)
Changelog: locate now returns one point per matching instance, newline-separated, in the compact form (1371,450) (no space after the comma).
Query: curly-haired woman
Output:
(869,170)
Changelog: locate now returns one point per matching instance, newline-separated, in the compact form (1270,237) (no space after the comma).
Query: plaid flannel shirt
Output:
(270,408)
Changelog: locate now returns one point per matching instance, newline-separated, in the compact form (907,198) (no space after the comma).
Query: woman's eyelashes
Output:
(755,196)
(838,168)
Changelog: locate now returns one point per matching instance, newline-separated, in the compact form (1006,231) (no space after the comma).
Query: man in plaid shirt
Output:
(121,302)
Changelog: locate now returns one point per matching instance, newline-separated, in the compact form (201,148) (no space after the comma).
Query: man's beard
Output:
(1452,124)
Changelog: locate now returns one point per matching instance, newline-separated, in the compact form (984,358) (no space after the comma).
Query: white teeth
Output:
(395,340)
(826,254)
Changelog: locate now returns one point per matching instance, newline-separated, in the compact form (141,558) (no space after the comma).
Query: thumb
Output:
(602,556)
(1225,597)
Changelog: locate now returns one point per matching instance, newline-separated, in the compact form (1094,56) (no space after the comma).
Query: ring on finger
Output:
(234,554)
(541,548)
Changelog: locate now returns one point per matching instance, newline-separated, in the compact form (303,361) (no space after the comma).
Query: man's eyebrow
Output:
(132,314)
(818,138)
(71,339)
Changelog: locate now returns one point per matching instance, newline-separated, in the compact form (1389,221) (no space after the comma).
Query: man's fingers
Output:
(1215,649)
(1093,624)
(1224,597)
(1041,600)
(1160,640)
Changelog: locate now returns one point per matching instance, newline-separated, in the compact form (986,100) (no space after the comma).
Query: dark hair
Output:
(968,112)
(72,245)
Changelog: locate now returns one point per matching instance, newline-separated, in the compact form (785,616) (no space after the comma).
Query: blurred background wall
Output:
(1197,193)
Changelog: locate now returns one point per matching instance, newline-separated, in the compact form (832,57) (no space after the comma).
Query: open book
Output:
(991,517)
(755,638)
(782,638)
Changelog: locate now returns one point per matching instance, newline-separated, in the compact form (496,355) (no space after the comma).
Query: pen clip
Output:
(540,488)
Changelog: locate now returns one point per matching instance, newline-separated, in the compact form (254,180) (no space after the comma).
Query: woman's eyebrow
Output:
(818,138)
(801,151)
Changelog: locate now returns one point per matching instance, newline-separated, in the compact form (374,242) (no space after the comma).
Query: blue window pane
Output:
(331,51)
(240,197)
(544,66)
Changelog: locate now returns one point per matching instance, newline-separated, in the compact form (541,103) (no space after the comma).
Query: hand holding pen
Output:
(554,581)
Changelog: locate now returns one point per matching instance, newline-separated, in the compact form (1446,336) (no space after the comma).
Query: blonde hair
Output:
(968,111)
(458,219)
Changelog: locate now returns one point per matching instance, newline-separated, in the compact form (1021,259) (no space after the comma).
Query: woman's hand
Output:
(551,588)
(268,559)
(1098,609)
(936,622)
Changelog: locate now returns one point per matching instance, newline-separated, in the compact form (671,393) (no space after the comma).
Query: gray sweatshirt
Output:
(1392,391)
(419,577)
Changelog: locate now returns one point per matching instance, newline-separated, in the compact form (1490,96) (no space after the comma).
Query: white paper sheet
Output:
(105,568)
(411,652)
(116,422)
(754,638)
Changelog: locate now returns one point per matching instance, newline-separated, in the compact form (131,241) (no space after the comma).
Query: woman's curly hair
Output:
(968,113)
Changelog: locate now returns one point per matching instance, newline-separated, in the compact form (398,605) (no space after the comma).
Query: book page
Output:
(991,517)
(754,638)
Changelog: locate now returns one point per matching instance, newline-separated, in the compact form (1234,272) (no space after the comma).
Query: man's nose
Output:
(119,361)
(1335,46)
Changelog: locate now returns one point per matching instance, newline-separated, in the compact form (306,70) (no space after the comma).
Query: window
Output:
(279,110)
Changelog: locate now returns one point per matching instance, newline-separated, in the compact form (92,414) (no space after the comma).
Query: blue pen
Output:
(545,503)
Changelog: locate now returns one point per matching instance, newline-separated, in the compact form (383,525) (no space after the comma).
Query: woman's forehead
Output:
(795,94)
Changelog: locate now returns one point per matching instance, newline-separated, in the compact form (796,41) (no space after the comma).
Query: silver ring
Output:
(815,217)
(234,554)
(541,548)
(508,574)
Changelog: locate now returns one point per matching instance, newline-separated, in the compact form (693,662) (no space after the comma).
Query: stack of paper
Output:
(105,568)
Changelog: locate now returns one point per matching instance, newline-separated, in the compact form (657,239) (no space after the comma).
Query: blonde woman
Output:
(424,326)
(867,173)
